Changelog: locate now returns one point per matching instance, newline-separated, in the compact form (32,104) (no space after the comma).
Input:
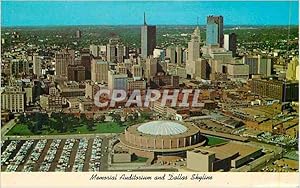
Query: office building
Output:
(137,72)
(285,91)
(94,50)
(237,72)
(252,62)
(13,99)
(51,102)
(179,55)
(29,93)
(148,39)
(86,60)
(62,60)
(100,71)
(136,85)
(214,31)
(78,34)
(151,67)
(171,54)
(117,81)
(265,66)
(221,157)
(291,72)
(194,46)
(120,49)
(76,73)
(230,43)
(19,66)
(37,69)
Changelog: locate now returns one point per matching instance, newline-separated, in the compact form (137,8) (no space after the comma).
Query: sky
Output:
(46,13)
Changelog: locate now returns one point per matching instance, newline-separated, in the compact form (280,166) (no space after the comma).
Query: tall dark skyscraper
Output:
(214,31)
(148,39)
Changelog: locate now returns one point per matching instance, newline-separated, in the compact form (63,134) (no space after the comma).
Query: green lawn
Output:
(107,127)
(140,160)
(20,129)
(215,140)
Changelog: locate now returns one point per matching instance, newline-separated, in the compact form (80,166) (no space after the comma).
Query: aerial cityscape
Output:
(211,94)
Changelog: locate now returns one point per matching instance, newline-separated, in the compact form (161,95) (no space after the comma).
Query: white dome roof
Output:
(162,128)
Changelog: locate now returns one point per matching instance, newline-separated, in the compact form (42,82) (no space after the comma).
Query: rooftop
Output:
(162,128)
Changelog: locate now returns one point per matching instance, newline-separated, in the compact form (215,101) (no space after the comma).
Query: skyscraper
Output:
(171,54)
(214,31)
(85,59)
(194,45)
(111,49)
(148,39)
(179,54)
(37,65)
(62,61)
(99,71)
(78,34)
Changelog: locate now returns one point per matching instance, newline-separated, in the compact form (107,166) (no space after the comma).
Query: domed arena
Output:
(164,138)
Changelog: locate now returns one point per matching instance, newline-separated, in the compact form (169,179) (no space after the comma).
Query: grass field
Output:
(106,127)
(140,160)
(215,140)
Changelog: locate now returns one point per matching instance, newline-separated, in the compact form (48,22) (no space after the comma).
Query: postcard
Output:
(149,93)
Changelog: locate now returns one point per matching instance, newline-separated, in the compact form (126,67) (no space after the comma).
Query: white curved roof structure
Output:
(162,128)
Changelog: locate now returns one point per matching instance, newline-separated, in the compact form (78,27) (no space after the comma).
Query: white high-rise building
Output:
(194,45)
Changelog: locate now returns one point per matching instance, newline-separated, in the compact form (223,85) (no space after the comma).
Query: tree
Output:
(101,118)
(90,125)
(116,118)
(130,118)
(83,118)
(135,115)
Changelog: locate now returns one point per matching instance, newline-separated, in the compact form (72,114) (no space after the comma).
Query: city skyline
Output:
(158,13)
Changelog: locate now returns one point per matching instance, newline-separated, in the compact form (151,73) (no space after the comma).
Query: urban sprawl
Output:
(246,117)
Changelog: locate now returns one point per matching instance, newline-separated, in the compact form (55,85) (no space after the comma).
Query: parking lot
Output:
(61,155)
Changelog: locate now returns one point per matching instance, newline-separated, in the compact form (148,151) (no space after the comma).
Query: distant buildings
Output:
(78,34)
(148,39)
(214,31)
